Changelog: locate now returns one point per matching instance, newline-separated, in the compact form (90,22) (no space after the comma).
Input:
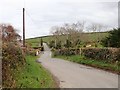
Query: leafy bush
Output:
(107,54)
(68,43)
(113,40)
(58,45)
(52,44)
(66,51)
(12,60)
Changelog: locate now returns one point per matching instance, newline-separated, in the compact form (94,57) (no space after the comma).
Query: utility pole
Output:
(23,27)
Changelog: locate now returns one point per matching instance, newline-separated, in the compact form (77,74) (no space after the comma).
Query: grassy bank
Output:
(33,75)
(94,63)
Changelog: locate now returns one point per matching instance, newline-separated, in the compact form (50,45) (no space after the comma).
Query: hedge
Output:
(106,54)
(12,60)
(66,52)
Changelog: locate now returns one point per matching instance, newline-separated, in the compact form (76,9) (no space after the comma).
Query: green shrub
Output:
(107,54)
(113,40)
(52,44)
(12,60)
(68,44)
(66,51)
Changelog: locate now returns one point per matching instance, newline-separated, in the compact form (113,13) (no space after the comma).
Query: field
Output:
(86,37)
(35,41)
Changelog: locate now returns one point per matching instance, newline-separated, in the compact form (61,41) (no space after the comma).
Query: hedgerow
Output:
(13,59)
(66,51)
(106,54)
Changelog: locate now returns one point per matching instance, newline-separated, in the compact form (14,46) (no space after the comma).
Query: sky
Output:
(41,15)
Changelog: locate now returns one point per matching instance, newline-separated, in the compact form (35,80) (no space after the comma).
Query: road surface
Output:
(73,75)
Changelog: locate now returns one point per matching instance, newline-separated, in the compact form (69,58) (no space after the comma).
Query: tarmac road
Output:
(73,75)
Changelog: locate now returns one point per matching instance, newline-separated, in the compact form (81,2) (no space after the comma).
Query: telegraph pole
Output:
(23,27)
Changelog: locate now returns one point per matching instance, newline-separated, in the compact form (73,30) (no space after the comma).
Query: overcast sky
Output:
(41,15)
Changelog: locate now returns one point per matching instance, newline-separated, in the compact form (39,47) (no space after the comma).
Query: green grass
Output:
(94,36)
(47,38)
(33,75)
(94,63)
(34,42)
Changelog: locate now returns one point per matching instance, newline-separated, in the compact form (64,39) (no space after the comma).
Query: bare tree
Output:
(71,32)
(80,26)
(96,27)
(56,32)
(93,27)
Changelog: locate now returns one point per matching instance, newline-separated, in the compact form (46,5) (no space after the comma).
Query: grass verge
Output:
(33,75)
(94,63)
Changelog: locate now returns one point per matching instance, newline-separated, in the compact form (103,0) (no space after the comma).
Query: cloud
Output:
(41,15)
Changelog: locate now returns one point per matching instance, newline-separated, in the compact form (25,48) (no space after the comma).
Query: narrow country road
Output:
(73,75)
